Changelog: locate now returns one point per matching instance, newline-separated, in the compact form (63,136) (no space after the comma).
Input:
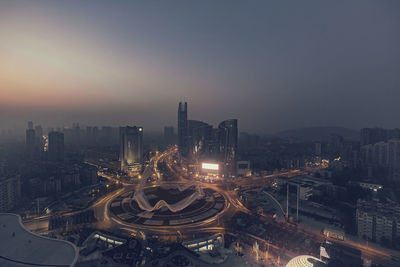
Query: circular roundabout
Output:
(168,205)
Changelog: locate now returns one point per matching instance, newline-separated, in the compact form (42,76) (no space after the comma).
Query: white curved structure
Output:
(144,204)
(304,261)
(20,247)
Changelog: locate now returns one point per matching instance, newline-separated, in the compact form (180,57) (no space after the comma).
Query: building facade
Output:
(182,128)
(10,192)
(131,148)
(378,221)
(228,141)
(56,146)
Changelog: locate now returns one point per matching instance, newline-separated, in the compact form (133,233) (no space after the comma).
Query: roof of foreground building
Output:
(305,261)
(20,247)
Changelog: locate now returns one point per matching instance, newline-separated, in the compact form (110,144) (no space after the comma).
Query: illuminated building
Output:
(56,146)
(228,141)
(305,261)
(243,168)
(210,169)
(199,137)
(182,128)
(131,149)
(199,141)
(205,245)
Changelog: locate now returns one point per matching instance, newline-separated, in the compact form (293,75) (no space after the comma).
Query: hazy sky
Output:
(272,64)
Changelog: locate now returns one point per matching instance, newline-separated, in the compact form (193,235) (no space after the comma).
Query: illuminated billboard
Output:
(210,166)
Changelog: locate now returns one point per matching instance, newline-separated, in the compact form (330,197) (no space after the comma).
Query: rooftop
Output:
(20,247)
(304,261)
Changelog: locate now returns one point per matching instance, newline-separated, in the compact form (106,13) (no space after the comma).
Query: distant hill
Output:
(319,133)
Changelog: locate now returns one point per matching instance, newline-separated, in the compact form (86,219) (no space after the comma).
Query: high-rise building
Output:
(30,125)
(10,192)
(39,137)
(378,221)
(182,128)
(92,135)
(383,155)
(228,141)
(39,130)
(30,142)
(375,135)
(199,137)
(169,135)
(131,148)
(56,146)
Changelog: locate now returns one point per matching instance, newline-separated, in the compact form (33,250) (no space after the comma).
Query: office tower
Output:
(182,128)
(131,148)
(198,139)
(213,150)
(169,135)
(56,146)
(228,140)
(30,125)
(10,192)
(30,142)
(39,137)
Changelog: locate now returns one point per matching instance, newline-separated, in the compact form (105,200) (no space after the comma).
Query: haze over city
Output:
(199,133)
(272,65)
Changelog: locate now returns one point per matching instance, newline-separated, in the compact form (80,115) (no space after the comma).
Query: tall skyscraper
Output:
(30,142)
(39,137)
(30,125)
(131,148)
(228,140)
(199,137)
(56,146)
(182,128)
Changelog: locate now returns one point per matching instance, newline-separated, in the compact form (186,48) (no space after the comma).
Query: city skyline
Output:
(199,133)
(289,66)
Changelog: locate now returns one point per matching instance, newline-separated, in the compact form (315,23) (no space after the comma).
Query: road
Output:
(111,223)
